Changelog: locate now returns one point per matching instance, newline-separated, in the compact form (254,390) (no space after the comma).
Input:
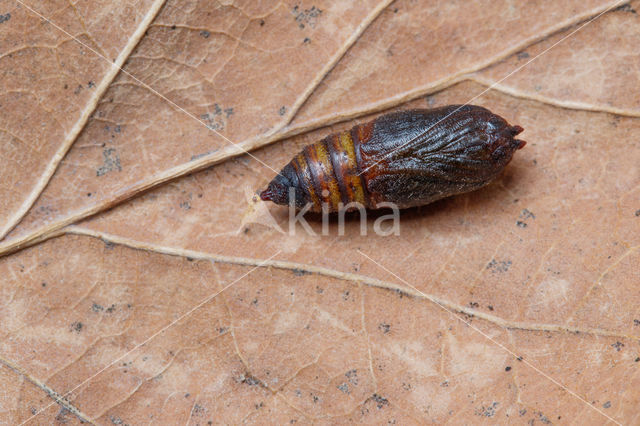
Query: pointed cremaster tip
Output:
(516,130)
(266,195)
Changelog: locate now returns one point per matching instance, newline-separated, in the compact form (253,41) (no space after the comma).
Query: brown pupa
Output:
(408,158)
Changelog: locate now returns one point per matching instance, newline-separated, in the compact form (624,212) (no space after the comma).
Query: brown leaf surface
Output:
(420,47)
(51,82)
(517,303)
(592,69)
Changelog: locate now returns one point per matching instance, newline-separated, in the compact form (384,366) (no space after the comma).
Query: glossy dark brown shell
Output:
(409,158)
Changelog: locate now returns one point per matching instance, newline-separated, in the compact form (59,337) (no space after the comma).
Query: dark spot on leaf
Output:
(76,326)
(490,307)
(474,304)
(198,410)
(638,213)
(380,401)
(215,120)
(507,368)
(499,265)
(195,157)
(250,380)
(489,411)
(44,284)
(524,216)
(205,34)
(522,55)
(306,16)
(111,162)
(300,272)
(543,418)
(262,22)
(173,27)
(5,18)
(306,40)
(344,387)
(282,110)
(385,328)
(352,375)
(606,404)
(61,417)
(626,8)
(211,122)
(97,308)
(400,293)
(617,346)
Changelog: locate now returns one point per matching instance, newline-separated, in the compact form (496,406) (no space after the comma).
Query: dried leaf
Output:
(52,79)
